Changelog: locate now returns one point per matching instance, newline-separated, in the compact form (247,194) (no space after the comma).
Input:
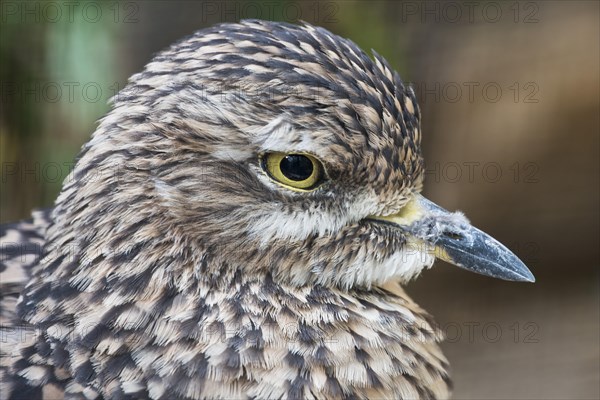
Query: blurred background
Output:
(509,93)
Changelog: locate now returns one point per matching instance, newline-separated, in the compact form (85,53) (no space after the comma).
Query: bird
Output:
(241,225)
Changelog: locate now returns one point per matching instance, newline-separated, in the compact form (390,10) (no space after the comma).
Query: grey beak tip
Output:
(521,270)
(529,277)
(518,273)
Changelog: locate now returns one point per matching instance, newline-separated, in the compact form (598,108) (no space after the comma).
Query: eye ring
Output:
(297,171)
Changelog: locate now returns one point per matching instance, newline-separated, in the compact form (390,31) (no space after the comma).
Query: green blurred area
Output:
(523,165)
(56,79)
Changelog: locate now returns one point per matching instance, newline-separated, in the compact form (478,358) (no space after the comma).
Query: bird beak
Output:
(455,241)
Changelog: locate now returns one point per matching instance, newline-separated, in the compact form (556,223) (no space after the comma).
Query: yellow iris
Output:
(296,171)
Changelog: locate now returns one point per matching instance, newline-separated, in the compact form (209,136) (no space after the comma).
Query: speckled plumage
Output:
(173,267)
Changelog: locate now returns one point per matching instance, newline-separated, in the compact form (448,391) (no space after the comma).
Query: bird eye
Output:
(296,171)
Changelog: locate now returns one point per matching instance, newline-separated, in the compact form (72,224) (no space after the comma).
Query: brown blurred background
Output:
(509,93)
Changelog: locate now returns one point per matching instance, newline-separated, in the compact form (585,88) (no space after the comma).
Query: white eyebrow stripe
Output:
(281,136)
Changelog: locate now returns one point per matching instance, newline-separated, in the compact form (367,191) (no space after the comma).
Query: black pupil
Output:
(296,167)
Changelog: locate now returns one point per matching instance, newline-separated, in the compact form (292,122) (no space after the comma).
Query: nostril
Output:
(453,235)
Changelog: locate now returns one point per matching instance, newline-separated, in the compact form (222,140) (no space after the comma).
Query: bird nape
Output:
(240,225)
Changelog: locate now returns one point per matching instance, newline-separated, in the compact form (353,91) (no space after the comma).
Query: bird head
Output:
(266,148)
